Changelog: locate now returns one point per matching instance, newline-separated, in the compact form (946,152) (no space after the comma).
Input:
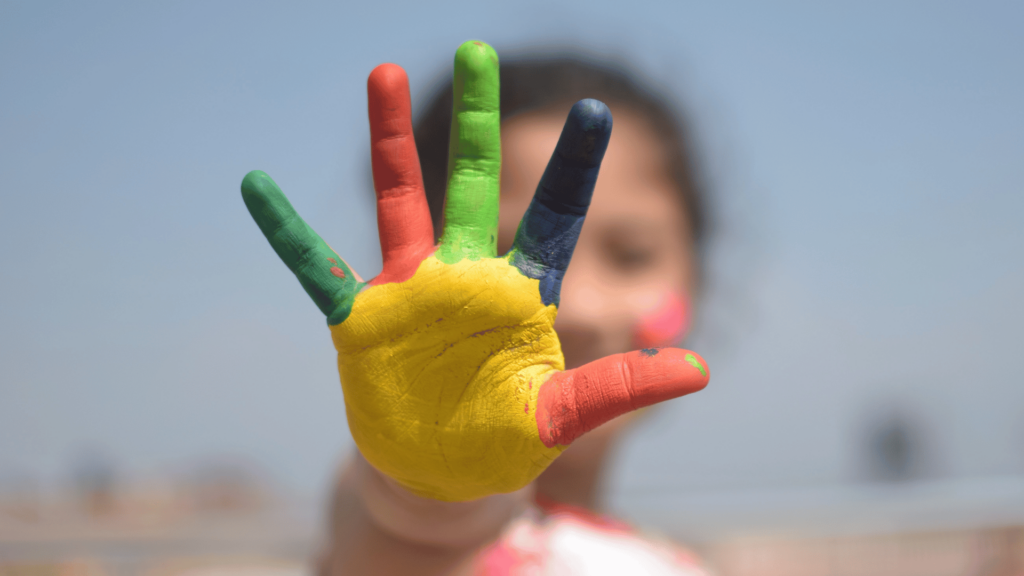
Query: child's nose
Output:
(589,322)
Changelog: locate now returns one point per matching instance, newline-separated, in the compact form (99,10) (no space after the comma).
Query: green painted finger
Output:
(326,277)
(474,157)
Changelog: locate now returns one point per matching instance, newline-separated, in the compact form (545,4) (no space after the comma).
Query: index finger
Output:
(548,232)
(474,157)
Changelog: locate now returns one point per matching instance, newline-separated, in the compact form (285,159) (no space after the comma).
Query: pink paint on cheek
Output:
(667,325)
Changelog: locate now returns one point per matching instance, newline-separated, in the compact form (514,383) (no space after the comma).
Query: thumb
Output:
(576,401)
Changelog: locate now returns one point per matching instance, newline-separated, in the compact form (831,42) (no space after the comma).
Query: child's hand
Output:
(450,365)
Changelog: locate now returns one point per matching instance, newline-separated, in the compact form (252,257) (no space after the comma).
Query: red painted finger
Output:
(406,232)
(574,402)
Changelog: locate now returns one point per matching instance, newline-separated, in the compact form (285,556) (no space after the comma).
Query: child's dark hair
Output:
(543,83)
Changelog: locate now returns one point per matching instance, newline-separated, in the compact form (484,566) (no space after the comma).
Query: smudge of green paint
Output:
(649,352)
(695,363)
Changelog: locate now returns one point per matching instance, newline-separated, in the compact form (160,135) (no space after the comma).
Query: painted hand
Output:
(452,373)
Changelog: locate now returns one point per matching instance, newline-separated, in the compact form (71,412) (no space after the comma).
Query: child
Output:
(436,352)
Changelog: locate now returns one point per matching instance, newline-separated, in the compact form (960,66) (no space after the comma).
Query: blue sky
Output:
(865,160)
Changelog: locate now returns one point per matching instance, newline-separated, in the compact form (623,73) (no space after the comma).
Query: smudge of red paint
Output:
(574,402)
(332,260)
(338,272)
(526,408)
(478,43)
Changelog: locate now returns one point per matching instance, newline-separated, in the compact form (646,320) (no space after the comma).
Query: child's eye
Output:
(632,258)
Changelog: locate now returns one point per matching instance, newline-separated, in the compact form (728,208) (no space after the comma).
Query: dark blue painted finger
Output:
(548,232)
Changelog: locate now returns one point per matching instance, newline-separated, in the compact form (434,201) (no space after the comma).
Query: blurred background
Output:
(168,395)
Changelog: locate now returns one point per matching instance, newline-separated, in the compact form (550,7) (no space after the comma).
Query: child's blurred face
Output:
(635,252)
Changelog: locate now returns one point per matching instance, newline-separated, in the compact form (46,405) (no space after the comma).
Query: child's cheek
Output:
(665,324)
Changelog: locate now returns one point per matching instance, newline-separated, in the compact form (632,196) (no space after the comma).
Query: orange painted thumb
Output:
(574,402)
